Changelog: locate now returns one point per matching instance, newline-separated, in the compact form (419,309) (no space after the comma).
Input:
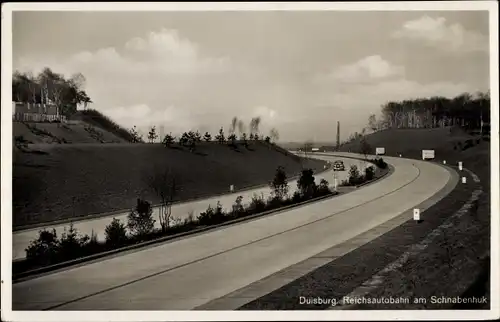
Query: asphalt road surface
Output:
(22,239)
(187,273)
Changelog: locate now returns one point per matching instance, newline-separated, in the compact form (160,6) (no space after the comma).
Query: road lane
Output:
(22,239)
(192,271)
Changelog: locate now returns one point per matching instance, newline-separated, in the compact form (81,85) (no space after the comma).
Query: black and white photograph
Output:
(250,161)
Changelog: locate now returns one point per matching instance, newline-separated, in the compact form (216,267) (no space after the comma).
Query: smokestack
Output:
(338,135)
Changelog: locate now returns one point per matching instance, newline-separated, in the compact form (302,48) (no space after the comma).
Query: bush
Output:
(380,163)
(212,216)
(369,173)
(71,244)
(279,185)
(306,184)
(140,220)
(297,197)
(354,176)
(44,249)
(324,187)
(116,233)
(238,208)
(258,204)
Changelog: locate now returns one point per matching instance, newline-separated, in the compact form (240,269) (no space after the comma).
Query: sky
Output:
(300,71)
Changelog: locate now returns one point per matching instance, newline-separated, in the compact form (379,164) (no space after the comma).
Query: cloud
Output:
(369,69)
(438,33)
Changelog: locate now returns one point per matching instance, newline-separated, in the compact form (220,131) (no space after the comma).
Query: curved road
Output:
(187,273)
(21,239)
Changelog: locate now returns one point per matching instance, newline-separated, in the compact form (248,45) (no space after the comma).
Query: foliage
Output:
(306,184)
(274,135)
(207,137)
(71,242)
(324,187)
(238,208)
(152,136)
(140,220)
(279,185)
(49,86)
(380,163)
(136,137)
(355,177)
(212,216)
(257,204)
(268,139)
(168,140)
(44,249)
(220,136)
(369,173)
(165,184)
(464,110)
(116,233)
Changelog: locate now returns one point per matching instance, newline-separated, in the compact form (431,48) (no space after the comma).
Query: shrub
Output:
(369,173)
(324,187)
(257,204)
(238,208)
(140,220)
(306,184)
(297,197)
(212,216)
(116,233)
(44,249)
(168,140)
(71,243)
(279,185)
(380,163)
(354,176)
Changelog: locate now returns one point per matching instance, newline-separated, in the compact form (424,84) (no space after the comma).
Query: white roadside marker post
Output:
(464,180)
(416,215)
(460,167)
(400,155)
(444,161)
(231,188)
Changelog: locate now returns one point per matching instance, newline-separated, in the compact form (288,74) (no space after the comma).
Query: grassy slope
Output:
(108,177)
(74,132)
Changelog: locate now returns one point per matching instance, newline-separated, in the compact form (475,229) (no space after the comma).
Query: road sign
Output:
(427,154)
(380,151)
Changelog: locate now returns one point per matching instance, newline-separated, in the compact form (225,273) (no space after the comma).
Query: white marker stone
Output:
(444,161)
(400,155)
(231,188)
(460,167)
(416,214)
(464,180)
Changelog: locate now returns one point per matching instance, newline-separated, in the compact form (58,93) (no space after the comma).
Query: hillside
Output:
(71,132)
(59,181)
(411,142)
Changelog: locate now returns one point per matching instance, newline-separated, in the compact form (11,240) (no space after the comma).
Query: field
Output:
(60,181)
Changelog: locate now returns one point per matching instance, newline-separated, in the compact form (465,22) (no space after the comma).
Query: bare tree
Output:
(254,126)
(372,122)
(234,123)
(166,185)
(241,128)
(307,147)
(274,135)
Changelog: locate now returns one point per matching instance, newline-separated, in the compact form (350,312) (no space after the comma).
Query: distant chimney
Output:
(338,135)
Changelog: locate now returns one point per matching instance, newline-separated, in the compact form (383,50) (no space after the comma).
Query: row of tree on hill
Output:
(49,87)
(465,110)
(190,138)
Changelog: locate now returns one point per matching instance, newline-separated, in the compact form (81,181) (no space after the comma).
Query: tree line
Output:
(237,131)
(468,111)
(49,87)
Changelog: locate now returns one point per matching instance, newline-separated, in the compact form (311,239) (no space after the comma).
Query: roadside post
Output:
(416,215)
(460,167)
